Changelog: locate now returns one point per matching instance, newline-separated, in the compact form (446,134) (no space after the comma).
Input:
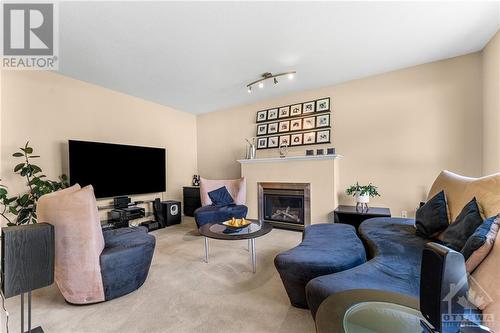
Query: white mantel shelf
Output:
(291,158)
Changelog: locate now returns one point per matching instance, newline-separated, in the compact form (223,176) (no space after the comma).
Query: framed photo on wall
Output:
(285,140)
(296,125)
(284,112)
(272,128)
(309,123)
(323,120)
(323,136)
(296,139)
(308,107)
(284,126)
(272,142)
(261,143)
(296,110)
(272,114)
(261,116)
(323,104)
(309,138)
(262,129)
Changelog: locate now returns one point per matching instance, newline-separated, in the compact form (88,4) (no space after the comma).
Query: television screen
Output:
(115,170)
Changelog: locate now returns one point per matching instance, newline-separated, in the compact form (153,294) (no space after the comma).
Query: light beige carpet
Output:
(184,294)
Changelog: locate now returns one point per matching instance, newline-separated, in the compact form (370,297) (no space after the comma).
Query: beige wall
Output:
(48,109)
(491,106)
(397,130)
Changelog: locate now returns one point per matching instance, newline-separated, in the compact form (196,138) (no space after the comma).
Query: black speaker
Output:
(167,213)
(27,258)
(443,283)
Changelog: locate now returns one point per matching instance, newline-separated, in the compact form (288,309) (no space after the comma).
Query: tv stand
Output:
(121,216)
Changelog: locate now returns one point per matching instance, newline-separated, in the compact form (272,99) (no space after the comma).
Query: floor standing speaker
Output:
(27,263)
(443,282)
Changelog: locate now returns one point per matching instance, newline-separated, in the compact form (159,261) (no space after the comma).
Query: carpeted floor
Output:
(184,294)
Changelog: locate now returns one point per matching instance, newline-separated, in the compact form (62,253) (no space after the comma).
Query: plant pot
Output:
(362,199)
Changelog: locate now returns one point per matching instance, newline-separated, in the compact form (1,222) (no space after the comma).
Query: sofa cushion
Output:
(432,217)
(78,240)
(317,255)
(221,197)
(479,245)
(457,233)
(213,214)
(454,186)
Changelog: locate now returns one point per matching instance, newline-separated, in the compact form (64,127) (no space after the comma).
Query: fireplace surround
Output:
(285,205)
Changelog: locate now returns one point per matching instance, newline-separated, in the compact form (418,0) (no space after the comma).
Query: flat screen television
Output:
(115,170)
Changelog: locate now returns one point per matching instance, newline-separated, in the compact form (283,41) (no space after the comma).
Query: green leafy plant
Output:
(369,189)
(23,206)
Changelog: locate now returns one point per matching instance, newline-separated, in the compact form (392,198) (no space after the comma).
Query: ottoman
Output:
(325,249)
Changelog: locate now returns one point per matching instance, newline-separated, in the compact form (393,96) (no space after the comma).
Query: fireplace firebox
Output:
(285,205)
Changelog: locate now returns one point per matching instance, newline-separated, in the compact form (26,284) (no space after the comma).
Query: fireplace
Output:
(285,205)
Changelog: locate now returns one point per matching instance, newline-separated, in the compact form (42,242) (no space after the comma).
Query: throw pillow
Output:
(432,217)
(457,233)
(221,197)
(479,245)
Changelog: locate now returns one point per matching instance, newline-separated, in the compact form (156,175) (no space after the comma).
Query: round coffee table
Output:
(220,231)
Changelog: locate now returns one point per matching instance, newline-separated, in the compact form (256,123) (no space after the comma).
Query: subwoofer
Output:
(167,213)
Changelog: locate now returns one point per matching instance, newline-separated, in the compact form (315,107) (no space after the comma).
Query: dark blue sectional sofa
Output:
(394,253)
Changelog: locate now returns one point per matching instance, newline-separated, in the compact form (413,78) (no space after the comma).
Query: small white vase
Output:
(362,199)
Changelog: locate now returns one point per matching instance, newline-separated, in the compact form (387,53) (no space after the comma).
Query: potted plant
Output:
(362,193)
(21,209)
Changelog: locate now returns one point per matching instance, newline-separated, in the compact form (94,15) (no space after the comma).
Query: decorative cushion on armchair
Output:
(91,267)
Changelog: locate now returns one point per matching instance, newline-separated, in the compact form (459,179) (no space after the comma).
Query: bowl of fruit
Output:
(235,223)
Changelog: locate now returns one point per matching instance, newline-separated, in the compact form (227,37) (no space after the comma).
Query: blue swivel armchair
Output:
(211,213)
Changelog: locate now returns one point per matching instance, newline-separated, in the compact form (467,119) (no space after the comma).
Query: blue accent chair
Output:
(210,213)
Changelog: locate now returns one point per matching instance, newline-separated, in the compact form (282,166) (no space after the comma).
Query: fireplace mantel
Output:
(290,158)
(321,172)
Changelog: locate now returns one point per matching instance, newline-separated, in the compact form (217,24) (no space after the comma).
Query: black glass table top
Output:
(220,231)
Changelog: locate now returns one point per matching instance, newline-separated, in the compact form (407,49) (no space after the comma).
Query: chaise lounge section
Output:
(396,254)
(318,255)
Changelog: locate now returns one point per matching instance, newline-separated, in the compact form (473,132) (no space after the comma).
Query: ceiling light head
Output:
(266,76)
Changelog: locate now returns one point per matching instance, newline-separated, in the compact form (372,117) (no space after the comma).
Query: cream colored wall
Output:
(491,106)
(48,109)
(397,130)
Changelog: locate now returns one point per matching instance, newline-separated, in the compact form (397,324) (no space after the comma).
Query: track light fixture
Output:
(266,76)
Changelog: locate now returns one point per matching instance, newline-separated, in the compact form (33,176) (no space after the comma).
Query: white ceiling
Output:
(198,56)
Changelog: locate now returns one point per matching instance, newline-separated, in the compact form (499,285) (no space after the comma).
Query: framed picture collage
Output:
(299,124)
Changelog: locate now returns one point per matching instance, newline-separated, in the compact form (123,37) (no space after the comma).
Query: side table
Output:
(351,215)
(191,199)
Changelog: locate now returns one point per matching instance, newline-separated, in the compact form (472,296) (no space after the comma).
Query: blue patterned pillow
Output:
(221,197)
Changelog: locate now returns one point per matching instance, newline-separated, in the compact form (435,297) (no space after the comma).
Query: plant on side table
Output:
(362,193)
(23,206)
